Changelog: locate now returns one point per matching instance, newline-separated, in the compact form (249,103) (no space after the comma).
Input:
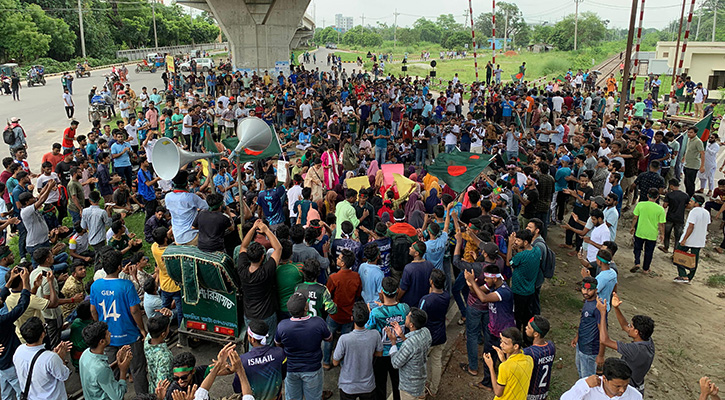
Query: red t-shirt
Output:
(71,133)
(52,158)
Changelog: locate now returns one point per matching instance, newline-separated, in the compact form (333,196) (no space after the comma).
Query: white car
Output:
(202,64)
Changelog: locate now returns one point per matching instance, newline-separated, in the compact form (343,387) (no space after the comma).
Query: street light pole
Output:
(153,13)
(627,61)
(576,22)
(80,22)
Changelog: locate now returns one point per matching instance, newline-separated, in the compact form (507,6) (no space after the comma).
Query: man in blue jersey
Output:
(266,366)
(116,302)
(380,318)
(271,201)
(543,352)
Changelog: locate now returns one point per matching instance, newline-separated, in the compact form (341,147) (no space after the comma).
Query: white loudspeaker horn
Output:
(254,135)
(168,158)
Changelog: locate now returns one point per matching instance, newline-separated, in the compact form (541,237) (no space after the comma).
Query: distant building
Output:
(343,23)
(499,43)
(704,61)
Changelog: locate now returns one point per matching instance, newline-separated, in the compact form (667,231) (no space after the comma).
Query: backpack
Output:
(399,252)
(548,259)
(9,135)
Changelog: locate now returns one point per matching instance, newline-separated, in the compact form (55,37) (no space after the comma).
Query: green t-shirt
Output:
(692,153)
(319,299)
(650,216)
(75,189)
(168,128)
(525,265)
(177,118)
(76,338)
(288,277)
(638,109)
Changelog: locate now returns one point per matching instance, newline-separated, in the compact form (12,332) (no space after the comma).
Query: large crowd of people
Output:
(335,275)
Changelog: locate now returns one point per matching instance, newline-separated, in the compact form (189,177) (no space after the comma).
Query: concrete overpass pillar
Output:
(259,31)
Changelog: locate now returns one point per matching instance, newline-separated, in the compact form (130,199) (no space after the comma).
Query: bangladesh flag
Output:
(458,170)
(703,127)
(517,77)
(560,79)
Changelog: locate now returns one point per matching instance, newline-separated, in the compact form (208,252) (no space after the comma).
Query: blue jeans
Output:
(586,365)
(22,237)
(272,324)
(476,329)
(394,127)
(303,384)
(447,269)
(9,383)
(76,216)
(420,156)
(380,154)
(167,297)
(460,292)
(327,346)
(512,155)
(450,148)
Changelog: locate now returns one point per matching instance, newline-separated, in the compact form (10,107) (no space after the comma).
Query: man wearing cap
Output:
(301,336)
(183,207)
(18,134)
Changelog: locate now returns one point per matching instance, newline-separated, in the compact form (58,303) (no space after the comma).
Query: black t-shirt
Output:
(532,195)
(580,209)
(470,213)
(676,202)
(63,171)
(212,226)
(258,291)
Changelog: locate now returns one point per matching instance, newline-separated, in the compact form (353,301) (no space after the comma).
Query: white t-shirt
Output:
(68,100)
(306,110)
(451,138)
(131,132)
(149,149)
(187,121)
(557,102)
(124,113)
(42,180)
(603,152)
(600,234)
(700,217)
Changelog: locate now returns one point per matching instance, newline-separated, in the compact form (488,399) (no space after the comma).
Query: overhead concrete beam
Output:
(259,31)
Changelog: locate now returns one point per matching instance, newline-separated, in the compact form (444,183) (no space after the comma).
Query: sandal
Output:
(479,385)
(464,367)
(680,279)
(634,269)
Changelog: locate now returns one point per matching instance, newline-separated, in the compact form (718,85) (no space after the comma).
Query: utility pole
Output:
(714,20)
(576,22)
(80,22)
(627,61)
(699,17)
(677,50)
(395,28)
(153,13)
(362,27)
(505,31)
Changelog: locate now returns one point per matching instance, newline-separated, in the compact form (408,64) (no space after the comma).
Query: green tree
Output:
(517,29)
(591,31)
(457,40)
(62,39)
(428,30)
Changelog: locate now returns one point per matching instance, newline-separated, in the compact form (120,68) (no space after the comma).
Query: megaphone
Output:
(254,135)
(168,158)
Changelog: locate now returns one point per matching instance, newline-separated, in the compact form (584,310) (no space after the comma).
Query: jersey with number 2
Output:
(113,299)
(541,376)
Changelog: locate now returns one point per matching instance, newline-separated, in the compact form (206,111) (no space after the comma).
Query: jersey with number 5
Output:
(113,299)
(541,375)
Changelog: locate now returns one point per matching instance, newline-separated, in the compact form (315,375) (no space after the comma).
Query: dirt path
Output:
(688,322)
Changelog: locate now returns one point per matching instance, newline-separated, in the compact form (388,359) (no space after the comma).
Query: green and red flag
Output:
(560,79)
(459,169)
(703,127)
(517,77)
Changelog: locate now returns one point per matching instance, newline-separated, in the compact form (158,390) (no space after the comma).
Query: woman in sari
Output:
(330,160)
(432,201)
(313,180)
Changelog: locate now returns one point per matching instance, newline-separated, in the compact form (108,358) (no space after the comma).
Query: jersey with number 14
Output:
(113,299)
(541,375)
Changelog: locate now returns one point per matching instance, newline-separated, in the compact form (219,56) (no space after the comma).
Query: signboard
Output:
(357,183)
(389,170)
(170,63)
(282,171)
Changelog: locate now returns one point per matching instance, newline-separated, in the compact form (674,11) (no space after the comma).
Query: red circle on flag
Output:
(456,170)
(474,157)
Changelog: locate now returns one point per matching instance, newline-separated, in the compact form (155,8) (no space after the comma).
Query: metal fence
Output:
(138,54)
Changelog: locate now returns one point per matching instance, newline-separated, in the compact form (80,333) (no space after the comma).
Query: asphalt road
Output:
(42,113)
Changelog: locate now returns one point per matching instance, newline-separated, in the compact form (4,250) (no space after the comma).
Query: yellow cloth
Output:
(515,375)
(428,181)
(165,282)
(34,309)
(357,183)
(470,251)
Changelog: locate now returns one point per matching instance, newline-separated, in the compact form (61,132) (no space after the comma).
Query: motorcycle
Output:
(35,76)
(145,67)
(98,109)
(82,71)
